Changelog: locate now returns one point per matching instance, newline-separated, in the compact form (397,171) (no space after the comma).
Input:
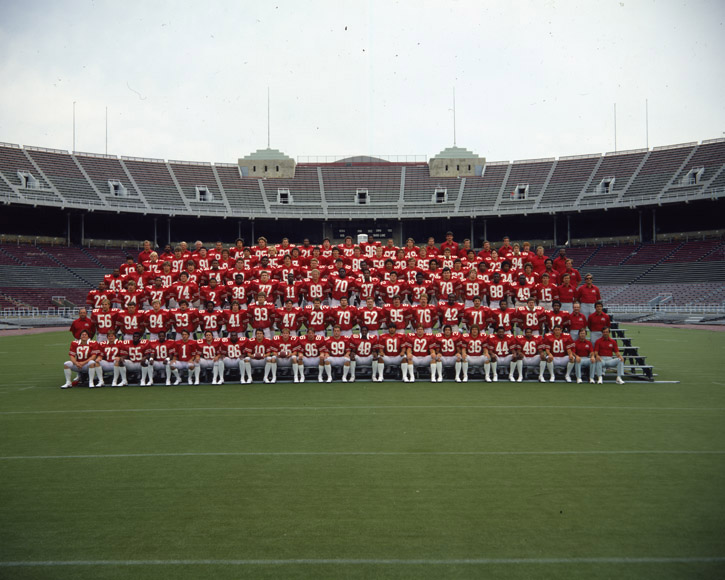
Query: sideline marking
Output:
(362,407)
(364,561)
(356,453)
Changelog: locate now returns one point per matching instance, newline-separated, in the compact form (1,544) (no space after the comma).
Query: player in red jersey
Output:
(155,291)
(474,351)
(83,322)
(339,353)
(501,348)
(367,287)
(184,318)
(260,353)
(450,353)
(108,358)
(133,357)
(364,350)
(185,357)
(105,319)
(397,314)
(183,290)
(531,355)
(521,291)
(161,351)
(285,347)
(557,317)
(503,316)
(497,290)
(471,287)
(211,356)
(315,287)
(532,317)
(598,321)
(341,286)
(477,315)
(131,294)
(289,317)
(424,314)
(95,297)
(392,287)
(235,319)
(317,317)
(566,291)
(371,316)
(83,353)
(446,286)
(451,312)
(312,348)
(344,315)
(420,287)
(213,292)
(238,291)
(420,351)
(261,315)
(557,348)
(391,348)
(156,320)
(114,283)
(130,321)
(291,289)
(588,295)
(211,319)
(232,349)
(608,356)
(584,356)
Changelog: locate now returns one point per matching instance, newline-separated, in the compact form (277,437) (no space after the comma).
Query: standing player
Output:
(289,317)
(317,317)
(451,312)
(261,315)
(477,315)
(532,317)
(344,315)
(371,316)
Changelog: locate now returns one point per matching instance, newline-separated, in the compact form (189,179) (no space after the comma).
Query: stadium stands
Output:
(659,168)
(571,175)
(157,184)
(524,184)
(481,193)
(111,180)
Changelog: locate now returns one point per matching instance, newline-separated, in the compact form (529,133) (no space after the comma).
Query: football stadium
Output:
(362,366)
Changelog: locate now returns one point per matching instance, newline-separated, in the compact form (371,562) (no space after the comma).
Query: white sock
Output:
(404,369)
(458,369)
(321,371)
(569,366)
(345,370)
(439,366)
(520,367)
(220,365)
(512,368)
(267,369)
(352,370)
(214,372)
(411,371)
(550,366)
(328,370)
(274,370)
(295,370)
(123,374)
(248,368)
(197,372)
(176,374)
(67,373)
(464,368)
(375,369)
(487,369)
(116,373)
(494,368)
(542,366)
(144,372)
(381,369)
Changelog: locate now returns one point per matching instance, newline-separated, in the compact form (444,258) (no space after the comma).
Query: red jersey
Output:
(125,298)
(130,323)
(448,345)
(597,322)
(577,321)
(415,290)
(213,320)
(445,287)
(389,290)
(238,292)
(261,315)
(426,316)
(217,295)
(505,318)
(184,319)
(546,293)
(157,320)
(315,290)
(289,318)
(258,348)
(497,292)
(560,318)
(391,344)
(529,346)
(345,317)
(311,347)
(583,348)
(367,289)
(114,283)
(154,293)
(96,297)
(474,346)
(421,345)
(135,351)
(316,319)
(186,351)
(110,351)
(81,324)
(105,321)
(337,346)
(233,349)
(479,316)
(473,288)
(450,313)
(83,352)
(292,291)
(588,295)
(235,321)
(558,347)
(530,318)
(522,292)
(363,347)
(397,316)
(284,348)
(180,291)
(209,350)
(160,351)
(340,287)
(372,318)
(502,346)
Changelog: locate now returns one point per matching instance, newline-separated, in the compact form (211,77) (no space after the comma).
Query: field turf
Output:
(365,480)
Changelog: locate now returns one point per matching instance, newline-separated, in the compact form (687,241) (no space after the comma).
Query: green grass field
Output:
(365,480)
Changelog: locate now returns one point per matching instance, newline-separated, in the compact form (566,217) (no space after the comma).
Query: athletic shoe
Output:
(405,378)
(495,377)
(542,379)
(578,381)
(600,380)
(567,378)
(344,379)
(592,381)
(190,381)
(458,379)
(91,385)
(213,381)
(168,382)
(440,379)
(266,380)
(177,381)
(196,381)
(320,380)
(512,379)
(302,378)
(488,379)
(552,379)
(465,378)
(115,384)
(220,381)
(329,379)
(619,381)
(123,384)
(351,380)
(520,379)
(101,384)
(296,379)
(66,386)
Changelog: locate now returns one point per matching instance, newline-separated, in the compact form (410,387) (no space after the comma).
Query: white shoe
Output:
(512,379)
(273,380)
(405,378)
(592,381)
(242,381)
(196,381)
(344,379)
(213,381)
(302,378)
(578,381)
(191,381)
(542,379)
(114,384)
(91,385)
(177,381)
(619,381)
(600,380)
(351,379)
(66,386)
(220,381)
(296,379)
(329,379)
(440,378)
(552,379)
(266,380)
(320,380)
(433,380)
(123,384)
(465,378)
(520,379)
(458,379)
(495,377)
(488,379)
(101,384)
(567,378)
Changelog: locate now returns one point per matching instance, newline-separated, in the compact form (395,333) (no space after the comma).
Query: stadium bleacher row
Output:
(672,273)
(33,175)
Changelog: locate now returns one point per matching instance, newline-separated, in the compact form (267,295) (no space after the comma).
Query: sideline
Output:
(40,330)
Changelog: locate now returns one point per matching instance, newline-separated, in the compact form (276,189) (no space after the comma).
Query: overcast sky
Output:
(188,80)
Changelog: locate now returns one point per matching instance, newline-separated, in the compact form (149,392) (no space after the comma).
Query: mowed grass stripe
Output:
(362,453)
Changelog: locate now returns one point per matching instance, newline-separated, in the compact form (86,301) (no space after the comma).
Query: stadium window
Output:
(469,167)
(606,186)
(27,181)
(521,191)
(276,168)
(458,167)
(693,176)
(446,168)
(117,188)
(284,197)
(254,168)
(440,195)
(203,194)
(265,169)
(361,196)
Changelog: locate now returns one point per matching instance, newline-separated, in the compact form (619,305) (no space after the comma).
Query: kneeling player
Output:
(421,352)
(83,353)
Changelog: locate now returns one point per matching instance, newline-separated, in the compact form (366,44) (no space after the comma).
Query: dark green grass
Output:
(293,489)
